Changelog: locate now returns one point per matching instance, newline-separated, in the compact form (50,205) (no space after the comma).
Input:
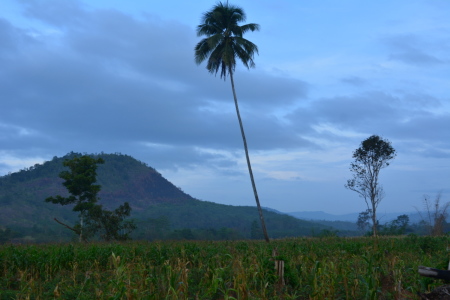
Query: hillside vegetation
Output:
(161,210)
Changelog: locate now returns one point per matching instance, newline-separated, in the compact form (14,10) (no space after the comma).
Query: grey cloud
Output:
(55,12)
(427,127)
(115,83)
(420,101)
(354,80)
(114,80)
(415,57)
(162,51)
(8,36)
(170,157)
(13,137)
(437,153)
(4,168)
(412,50)
(258,89)
(395,117)
(186,156)
(13,39)
(263,89)
(151,47)
(266,132)
(356,112)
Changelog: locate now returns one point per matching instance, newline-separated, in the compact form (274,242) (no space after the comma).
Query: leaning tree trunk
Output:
(263,224)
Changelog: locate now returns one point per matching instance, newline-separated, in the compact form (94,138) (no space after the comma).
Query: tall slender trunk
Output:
(374,218)
(81,227)
(263,224)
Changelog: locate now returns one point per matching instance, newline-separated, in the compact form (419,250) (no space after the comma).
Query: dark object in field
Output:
(442,292)
(434,273)
(439,293)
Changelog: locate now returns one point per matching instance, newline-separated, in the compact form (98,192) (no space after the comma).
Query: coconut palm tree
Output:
(221,47)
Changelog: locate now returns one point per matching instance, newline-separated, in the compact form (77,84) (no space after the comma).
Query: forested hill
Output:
(122,178)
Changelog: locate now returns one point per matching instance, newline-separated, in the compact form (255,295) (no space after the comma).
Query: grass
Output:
(315,268)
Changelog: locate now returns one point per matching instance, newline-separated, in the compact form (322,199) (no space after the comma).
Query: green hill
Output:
(160,209)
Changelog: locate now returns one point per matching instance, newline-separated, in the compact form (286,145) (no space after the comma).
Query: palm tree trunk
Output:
(263,224)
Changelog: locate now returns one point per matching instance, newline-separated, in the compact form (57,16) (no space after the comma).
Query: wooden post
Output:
(279,267)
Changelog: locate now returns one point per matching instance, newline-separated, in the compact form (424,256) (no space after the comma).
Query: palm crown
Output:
(224,41)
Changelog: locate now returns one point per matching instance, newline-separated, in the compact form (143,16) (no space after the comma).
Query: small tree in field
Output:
(363,220)
(373,155)
(79,181)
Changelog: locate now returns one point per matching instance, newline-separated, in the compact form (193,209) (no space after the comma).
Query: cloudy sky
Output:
(107,75)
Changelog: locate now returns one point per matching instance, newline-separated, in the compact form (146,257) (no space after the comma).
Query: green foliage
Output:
(363,221)
(111,224)
(79,182)
(325,268)
(396,227)
(224,40)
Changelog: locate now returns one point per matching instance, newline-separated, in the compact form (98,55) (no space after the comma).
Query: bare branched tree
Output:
(435,214)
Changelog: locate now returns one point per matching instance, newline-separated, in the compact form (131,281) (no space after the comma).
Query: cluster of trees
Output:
(398,226)
(433,221)
(93,218)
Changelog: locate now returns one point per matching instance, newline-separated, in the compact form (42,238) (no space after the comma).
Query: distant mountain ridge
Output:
(351,217)
(152,198)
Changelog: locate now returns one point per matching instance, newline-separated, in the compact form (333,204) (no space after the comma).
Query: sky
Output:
(120,77)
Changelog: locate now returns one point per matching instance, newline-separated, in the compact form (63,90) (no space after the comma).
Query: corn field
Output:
(314,268)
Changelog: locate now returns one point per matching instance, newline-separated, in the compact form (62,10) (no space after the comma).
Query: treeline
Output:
(159,229)
(150,230)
